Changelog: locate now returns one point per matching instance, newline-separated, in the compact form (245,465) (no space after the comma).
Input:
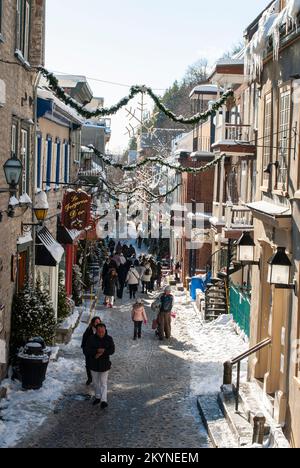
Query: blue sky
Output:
(140,42)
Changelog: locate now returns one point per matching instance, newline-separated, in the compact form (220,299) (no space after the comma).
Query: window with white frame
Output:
(283,150)
(66,162)
(267,146)
(25,160)
(23,28)
(14,138)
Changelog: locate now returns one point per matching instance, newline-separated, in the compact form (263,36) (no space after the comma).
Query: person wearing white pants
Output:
(99,349)
(100,380)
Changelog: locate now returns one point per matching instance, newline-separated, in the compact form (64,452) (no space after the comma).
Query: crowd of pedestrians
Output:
(124,269)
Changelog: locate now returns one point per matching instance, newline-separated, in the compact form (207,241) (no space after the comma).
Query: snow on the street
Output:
(23,411)
(208,346)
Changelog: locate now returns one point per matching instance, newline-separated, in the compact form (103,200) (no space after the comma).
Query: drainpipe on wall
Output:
(33,186)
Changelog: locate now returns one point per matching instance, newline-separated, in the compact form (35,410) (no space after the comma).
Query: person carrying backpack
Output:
(164,317)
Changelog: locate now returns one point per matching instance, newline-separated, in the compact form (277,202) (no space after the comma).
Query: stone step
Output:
(238,422)
(215,294)
(216,286)
(216,309)
(254,401)
(214,300)
(215,422)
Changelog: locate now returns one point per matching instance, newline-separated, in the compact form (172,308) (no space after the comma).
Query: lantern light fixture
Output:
(246,250)
(12,170)
(279,273)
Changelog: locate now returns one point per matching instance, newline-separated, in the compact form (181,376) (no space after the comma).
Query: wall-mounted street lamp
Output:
(40,209)
(280,270)
(41,214)
(12,171)
(246,250)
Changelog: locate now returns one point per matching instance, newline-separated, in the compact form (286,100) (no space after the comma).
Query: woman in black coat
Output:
(90,331)
(99,349)
(109,287)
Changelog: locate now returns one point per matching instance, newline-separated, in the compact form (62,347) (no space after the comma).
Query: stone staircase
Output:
(215,299)
(229,429)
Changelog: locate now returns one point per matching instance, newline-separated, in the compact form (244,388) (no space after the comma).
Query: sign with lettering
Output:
(76,210)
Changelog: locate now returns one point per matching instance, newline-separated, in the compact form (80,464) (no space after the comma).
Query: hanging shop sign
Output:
(201,236)
(76,210)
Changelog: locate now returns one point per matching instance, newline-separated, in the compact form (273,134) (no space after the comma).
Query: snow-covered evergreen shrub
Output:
(32,315)
(64,304)
(77,286)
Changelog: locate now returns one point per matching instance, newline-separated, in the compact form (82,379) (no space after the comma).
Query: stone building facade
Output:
(22,44)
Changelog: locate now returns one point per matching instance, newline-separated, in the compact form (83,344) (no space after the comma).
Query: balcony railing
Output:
(232,216)
(234,132)
(91,165)
(238,217)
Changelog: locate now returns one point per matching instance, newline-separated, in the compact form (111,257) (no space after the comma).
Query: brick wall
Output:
(198,187)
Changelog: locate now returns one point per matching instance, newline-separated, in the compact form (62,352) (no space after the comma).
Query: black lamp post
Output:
(13,171)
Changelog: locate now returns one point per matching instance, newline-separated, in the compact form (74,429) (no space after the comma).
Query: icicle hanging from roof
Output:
(269,26)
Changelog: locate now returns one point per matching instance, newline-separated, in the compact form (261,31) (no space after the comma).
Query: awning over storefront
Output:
(67,236)
(48,252)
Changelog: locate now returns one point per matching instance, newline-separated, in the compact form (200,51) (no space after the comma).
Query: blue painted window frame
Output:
(57,175)
(39,162)
(49,164)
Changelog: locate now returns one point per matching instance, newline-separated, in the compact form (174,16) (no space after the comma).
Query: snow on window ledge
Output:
(20,57)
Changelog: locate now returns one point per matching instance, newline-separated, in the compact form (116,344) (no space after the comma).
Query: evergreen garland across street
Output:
(156,160)
(134,90)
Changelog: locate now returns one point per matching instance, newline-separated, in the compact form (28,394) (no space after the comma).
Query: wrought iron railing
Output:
(228,367)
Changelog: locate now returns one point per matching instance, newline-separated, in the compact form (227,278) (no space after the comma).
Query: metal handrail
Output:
(251,351)
(228,366)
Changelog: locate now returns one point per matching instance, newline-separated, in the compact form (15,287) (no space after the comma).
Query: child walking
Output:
(138,317)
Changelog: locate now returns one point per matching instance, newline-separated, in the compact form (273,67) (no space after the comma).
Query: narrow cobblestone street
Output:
(151,397)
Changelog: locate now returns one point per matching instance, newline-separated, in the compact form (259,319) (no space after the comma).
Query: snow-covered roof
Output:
(27,238)
(205,89)
(269,209)
(230,61)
